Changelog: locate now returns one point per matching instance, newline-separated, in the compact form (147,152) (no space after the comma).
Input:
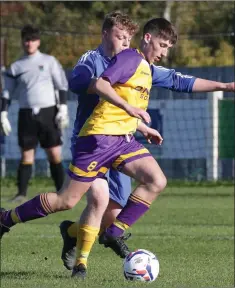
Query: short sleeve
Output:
(122,66)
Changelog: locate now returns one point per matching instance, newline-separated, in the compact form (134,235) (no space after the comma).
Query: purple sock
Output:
(6,219)
(35,208)
(134,209)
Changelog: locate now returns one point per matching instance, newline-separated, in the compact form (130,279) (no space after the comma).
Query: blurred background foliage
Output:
(206,29)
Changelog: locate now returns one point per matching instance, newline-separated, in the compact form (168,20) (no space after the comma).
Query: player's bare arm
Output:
(203,85)
(103,88)
(91,89)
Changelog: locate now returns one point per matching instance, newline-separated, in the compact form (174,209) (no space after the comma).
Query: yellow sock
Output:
(14,216)
(85,240)
(73,230)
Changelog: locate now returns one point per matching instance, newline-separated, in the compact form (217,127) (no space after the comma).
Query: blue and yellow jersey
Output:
(130,76)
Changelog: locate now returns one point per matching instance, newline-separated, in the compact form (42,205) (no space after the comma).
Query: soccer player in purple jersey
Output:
(154,45)
(161,77)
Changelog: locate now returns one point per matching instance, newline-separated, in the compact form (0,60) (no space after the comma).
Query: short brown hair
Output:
(122,20)
(160,27)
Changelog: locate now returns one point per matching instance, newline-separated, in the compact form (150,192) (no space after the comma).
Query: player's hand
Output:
(62,118)
(138,113)
(230,87)
(152,135)
(5,124)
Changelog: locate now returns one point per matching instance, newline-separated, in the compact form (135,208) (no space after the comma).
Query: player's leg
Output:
(56,166)
(24,174)
(103,151)
(86,231)
(81,173)
(140,165)
(44,204)
(27,140)
(97,199)
(152,181)
(116,193)
(119,192)
(89,224)
(110,214)
(69,230)
(50,139)
(97,202)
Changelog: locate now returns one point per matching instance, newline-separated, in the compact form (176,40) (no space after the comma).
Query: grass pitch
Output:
(190,229)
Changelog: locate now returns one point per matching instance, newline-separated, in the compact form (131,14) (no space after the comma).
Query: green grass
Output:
(190,229)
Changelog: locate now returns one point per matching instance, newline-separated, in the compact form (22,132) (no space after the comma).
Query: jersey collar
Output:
(142,54)
(36,54)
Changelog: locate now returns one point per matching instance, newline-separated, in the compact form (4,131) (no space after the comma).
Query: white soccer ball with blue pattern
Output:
(141,265)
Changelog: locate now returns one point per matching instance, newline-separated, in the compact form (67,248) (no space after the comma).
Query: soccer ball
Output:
(141,265)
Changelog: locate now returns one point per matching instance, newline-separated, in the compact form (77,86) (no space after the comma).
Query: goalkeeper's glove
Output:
(5,124)
(62,118)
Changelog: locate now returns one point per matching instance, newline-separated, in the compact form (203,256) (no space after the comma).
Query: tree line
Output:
(206,29)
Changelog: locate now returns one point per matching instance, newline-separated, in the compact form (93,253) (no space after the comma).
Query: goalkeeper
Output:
(34,79)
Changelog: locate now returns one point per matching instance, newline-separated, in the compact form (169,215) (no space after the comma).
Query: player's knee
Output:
(97,203)
(67,205)
(94,202)
(158,184)
(161,184)
(55,159)
(98,197)
(54,154)
(27,157)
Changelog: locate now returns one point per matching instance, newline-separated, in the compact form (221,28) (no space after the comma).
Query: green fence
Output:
(226,128)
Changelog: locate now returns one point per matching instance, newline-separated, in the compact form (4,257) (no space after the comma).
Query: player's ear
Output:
(147,38)
(104,32)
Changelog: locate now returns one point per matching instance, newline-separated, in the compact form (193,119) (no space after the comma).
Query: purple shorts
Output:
(94,155)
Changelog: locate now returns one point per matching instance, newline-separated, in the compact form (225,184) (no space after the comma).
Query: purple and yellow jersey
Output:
(130,76)
(94,62)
